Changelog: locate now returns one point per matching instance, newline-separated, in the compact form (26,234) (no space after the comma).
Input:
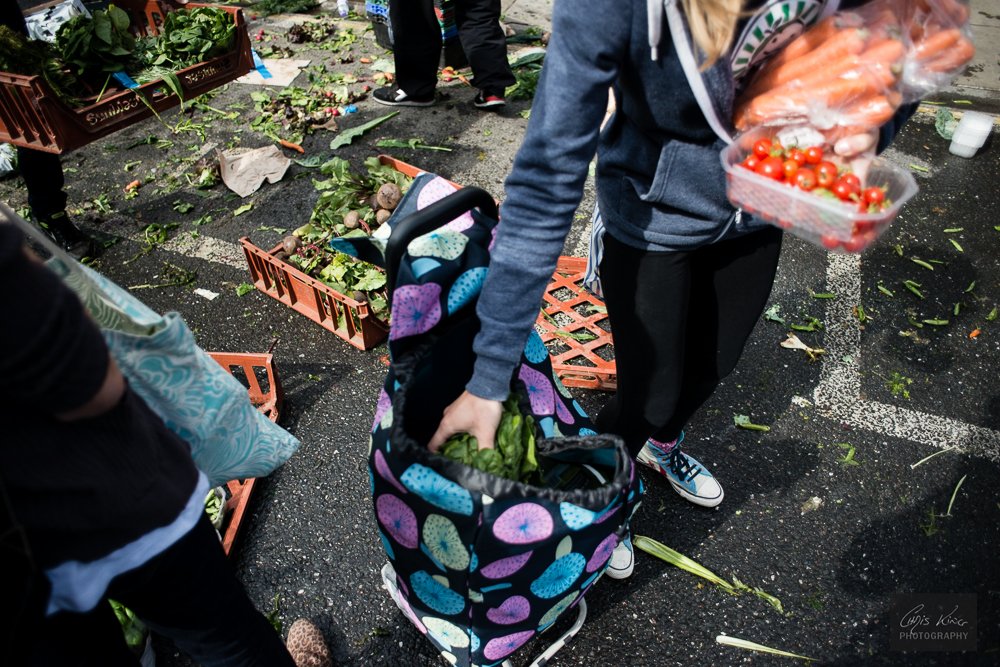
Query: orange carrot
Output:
(974,333)
(289,144)
(813,37)
(881,60)
(935,43)
(840,46)
(872,112)
(132,186)
(955,58)
(832,94)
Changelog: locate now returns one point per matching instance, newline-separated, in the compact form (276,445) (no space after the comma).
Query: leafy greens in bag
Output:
(513,456)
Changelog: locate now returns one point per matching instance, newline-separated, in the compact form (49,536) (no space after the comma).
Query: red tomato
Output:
(790,166)
(805,179)
(826,174)
(852,179)
(856,243)
(845,189)
(771,167)
(762,148)
(751,162)
(798,155)
(829,242)
(814,155)
(873,195)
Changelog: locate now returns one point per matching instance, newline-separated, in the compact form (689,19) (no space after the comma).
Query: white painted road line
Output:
(201,247)
(208,248)
(838,394)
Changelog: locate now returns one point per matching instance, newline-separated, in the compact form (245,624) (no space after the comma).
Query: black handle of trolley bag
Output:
(430,218)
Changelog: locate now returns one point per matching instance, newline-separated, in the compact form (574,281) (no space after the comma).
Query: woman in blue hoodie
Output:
(685,276)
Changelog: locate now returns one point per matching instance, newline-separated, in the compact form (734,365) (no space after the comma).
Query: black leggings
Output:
(417,44)
(679,321)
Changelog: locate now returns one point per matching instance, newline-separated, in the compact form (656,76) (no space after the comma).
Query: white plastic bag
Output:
(45,24)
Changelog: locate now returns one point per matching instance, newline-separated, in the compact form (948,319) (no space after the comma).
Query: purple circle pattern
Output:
(523,523)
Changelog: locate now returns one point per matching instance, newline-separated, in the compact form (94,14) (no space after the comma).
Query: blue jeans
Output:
(189,594)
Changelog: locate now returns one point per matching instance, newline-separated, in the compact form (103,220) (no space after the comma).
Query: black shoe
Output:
(489,100)
(396,97)
(69,237)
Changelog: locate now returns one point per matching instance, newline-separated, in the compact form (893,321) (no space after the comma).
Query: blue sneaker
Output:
(622,560)
(685,473)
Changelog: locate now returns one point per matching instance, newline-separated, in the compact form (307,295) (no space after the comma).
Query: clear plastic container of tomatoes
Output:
(827,222)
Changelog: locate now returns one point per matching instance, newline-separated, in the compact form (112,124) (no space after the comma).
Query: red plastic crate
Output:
(345,316)
(570,311)
(257,371)
(32,116)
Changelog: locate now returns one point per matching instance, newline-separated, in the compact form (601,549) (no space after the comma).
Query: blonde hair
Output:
(712,24)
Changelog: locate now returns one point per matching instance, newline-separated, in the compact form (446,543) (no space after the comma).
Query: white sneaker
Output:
(622,560)
(686,474)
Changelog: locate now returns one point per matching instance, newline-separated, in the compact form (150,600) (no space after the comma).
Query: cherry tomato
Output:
(814,155)
(762,148)
(826,174)
(873,195)
(845,189)
(771,167)
(829,242)
(805,179)
(750,162)
(790,166)
(856,243)
(852,179)
(798,155)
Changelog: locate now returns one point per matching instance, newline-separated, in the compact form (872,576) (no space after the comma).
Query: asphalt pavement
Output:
(832,510)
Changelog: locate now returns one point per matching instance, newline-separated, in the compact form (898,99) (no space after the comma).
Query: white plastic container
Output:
(971,133)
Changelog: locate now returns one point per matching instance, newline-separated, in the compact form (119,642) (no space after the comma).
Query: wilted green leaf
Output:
(345,137)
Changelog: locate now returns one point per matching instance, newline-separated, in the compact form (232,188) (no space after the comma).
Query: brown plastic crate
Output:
(575,311)
(32,116)
(267,396)
(314,299)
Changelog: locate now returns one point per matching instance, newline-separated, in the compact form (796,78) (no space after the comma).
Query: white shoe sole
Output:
(621,574)
(652,463)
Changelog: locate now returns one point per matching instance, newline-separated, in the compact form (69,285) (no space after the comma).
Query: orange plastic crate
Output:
(258,373)
(345,316)
(575,328)
(32,116)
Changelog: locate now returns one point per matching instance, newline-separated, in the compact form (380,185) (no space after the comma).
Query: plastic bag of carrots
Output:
(851,71)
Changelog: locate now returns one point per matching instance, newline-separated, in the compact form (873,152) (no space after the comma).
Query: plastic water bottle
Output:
(343,9)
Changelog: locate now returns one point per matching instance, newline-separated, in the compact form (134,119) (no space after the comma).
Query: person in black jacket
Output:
(108,500)
(43,176)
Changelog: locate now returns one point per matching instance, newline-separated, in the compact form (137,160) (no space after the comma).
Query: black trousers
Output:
(680,321)
(188,593)
(42,172)
(416,37)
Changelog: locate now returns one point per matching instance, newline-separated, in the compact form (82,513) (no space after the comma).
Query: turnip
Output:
(388,196)
(352,220)
(382,215)
(291,243)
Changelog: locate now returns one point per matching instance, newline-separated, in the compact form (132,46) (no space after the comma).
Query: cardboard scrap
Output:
(244,171)
(283,72)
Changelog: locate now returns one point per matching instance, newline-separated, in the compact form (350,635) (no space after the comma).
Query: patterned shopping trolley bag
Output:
(480,564)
